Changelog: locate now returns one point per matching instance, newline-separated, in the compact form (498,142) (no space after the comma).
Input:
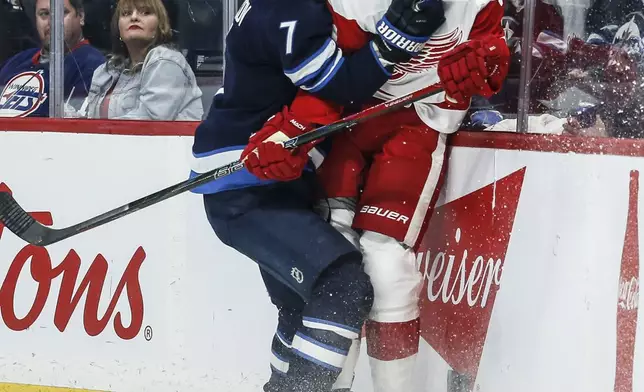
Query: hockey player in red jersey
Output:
(393,168)
(382,179)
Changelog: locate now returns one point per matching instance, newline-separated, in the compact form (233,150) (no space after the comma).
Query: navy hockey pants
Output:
(312,273)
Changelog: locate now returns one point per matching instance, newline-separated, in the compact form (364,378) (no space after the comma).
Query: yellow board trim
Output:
(4,387)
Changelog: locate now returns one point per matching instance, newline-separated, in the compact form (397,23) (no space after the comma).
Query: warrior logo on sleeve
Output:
(23,94)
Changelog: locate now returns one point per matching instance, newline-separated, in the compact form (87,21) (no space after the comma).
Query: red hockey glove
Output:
(265,155)
(476,67)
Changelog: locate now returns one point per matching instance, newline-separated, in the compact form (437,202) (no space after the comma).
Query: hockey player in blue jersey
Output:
(277,49)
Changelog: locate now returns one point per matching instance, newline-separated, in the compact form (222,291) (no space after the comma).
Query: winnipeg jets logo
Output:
(23,94)
(436,47)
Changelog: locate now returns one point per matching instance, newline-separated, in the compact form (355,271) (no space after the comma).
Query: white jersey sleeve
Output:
(465,19)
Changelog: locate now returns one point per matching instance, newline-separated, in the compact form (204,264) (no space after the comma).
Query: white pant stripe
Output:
(281,339)
(438,158)
(318,353)
(278,364)
(328,327)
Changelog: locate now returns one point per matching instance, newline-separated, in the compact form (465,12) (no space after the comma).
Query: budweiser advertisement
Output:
(530,263)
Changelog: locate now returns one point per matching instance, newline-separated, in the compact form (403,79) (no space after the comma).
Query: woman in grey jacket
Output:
(145,78)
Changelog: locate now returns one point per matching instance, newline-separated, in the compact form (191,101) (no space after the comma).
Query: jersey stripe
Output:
(312,65)
(327,74)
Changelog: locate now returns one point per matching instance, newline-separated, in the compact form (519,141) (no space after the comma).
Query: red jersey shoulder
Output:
(349,35)
(488,21)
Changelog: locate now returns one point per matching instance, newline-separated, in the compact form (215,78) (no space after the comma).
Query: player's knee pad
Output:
(396,280)
(321,345)
(343,296)
(339,212)
(334,316)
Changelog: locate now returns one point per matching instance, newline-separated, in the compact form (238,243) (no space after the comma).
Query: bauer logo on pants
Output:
(461,257)
(389,214)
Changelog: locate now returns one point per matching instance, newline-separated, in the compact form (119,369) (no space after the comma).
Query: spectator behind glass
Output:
(24,78)
(145,78)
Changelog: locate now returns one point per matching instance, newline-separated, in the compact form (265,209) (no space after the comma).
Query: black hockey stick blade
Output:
(18,221)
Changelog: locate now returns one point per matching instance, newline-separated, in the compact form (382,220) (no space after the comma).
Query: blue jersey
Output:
(25,81)
(274,48)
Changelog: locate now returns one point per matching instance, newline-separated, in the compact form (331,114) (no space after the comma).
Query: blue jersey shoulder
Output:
(20,60)
(274,48)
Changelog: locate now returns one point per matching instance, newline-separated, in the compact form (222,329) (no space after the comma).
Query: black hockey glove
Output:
(405,28)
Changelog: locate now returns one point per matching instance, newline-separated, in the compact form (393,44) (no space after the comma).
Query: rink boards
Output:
(531,267)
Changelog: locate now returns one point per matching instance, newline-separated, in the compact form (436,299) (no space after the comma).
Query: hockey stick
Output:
(16,219)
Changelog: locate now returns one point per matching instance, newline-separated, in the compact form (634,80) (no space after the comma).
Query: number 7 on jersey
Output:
(290,26)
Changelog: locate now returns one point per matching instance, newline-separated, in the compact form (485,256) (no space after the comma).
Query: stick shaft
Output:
(237,165)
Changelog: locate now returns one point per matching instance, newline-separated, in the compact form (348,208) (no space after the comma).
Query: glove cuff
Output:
(313,110)
(398,40)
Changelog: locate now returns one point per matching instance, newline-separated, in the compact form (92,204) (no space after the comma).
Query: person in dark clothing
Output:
(24,78)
